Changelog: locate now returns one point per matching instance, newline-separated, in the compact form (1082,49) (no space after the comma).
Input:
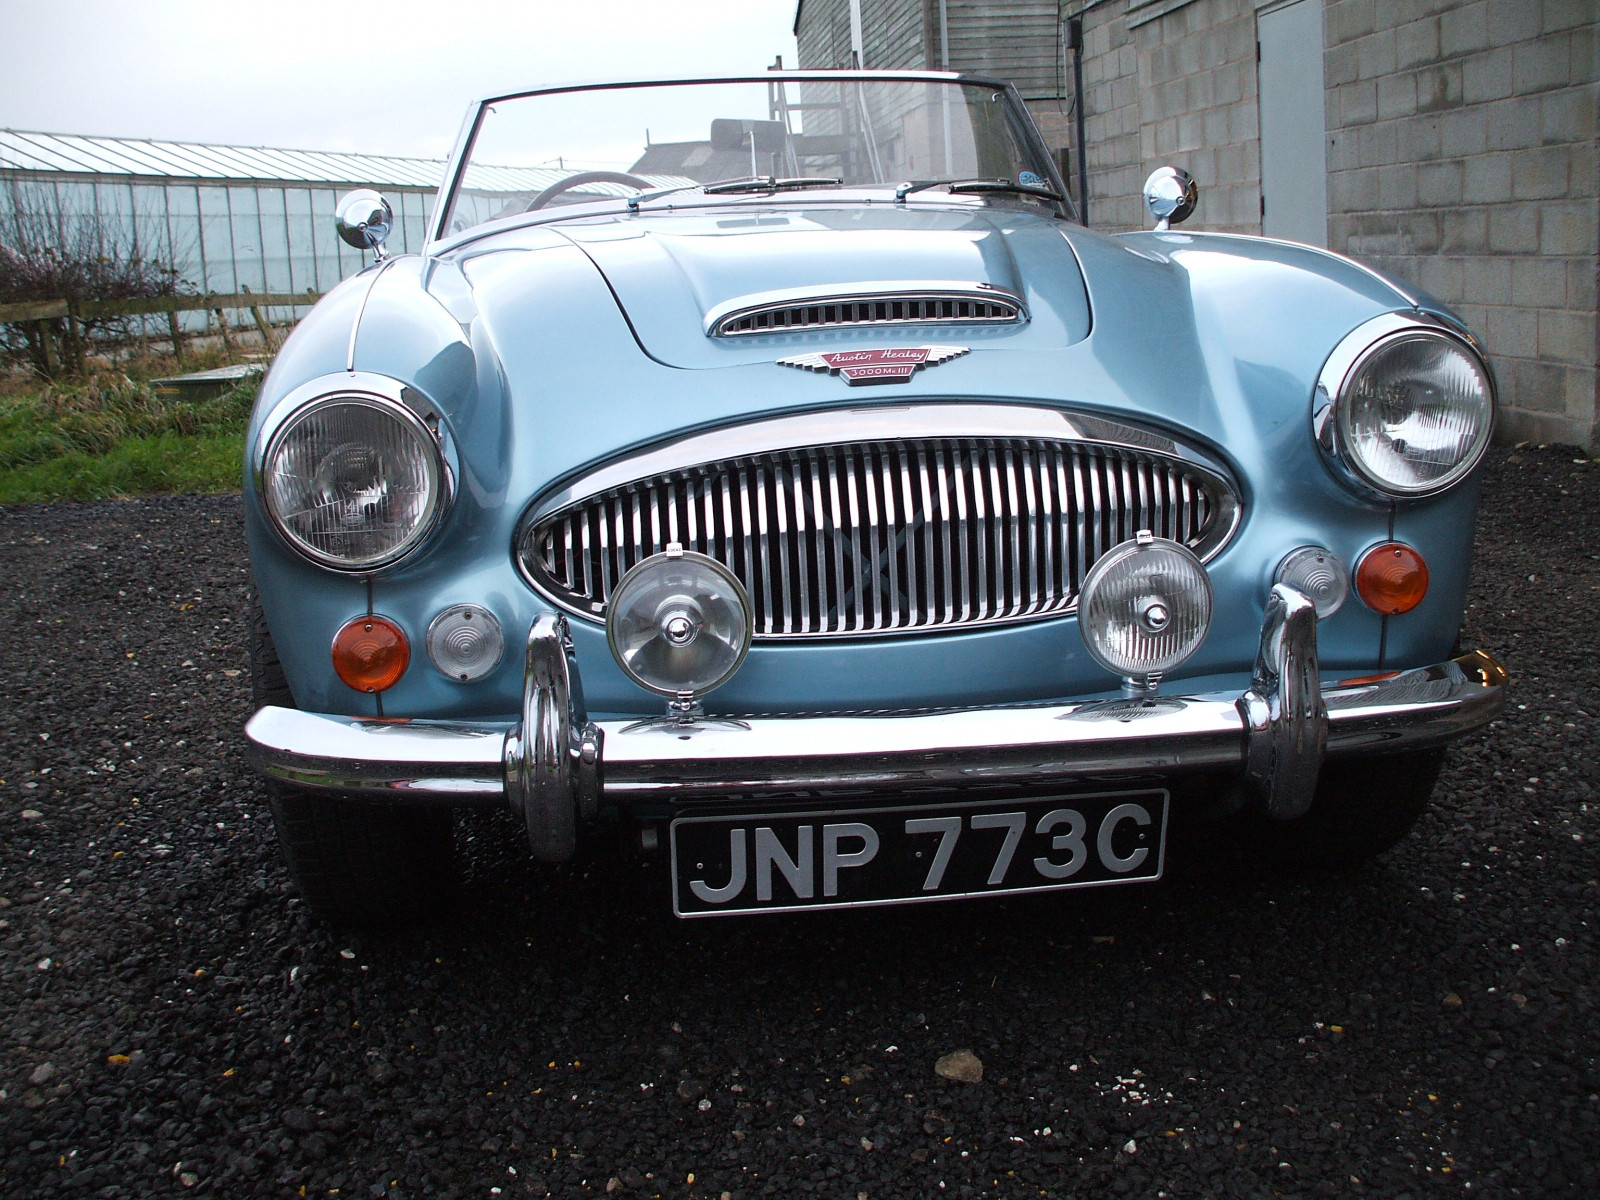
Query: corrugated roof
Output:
(46,153)
(51,152)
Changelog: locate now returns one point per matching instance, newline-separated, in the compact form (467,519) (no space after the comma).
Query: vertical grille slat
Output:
(883,536)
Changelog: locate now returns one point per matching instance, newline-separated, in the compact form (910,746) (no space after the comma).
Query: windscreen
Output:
(583,147)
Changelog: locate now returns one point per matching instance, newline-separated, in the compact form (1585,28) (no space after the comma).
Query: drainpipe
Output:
(944,65)
(858,58)
(1075,44)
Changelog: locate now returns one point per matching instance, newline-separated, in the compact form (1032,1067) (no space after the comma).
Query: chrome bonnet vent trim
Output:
(866,305)
(873,522)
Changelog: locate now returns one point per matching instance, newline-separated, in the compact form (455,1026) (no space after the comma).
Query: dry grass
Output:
(114,435)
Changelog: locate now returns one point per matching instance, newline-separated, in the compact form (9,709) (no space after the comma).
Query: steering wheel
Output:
(581,178)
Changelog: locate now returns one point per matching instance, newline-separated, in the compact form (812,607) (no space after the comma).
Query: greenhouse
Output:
(226,218)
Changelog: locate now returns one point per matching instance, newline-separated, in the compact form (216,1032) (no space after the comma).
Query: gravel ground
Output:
(175,1022)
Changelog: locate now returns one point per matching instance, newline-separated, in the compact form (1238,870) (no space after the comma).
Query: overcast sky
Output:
(381,76)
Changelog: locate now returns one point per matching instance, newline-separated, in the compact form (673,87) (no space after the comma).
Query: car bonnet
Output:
(671,273)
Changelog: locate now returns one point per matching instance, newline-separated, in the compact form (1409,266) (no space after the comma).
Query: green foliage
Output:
(111,436)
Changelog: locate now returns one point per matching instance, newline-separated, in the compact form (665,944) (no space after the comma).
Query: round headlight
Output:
(679,622)
(1145,608)
(1415,413)
(352,482)
(465,642)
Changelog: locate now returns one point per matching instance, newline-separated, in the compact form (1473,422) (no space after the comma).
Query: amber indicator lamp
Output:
(1392,578)
(370,653)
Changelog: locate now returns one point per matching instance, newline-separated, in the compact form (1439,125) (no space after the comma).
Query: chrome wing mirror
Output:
(1170,194)
(364,219)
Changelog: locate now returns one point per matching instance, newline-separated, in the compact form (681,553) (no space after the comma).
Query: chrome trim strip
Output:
(452,762)
(882,423)
(823,75)
(731,312)
(383,265)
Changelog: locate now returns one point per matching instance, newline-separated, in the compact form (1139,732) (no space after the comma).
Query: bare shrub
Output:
(48,252)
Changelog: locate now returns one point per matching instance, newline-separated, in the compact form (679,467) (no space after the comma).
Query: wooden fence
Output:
(44,312)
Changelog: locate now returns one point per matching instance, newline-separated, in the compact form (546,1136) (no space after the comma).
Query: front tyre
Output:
(1363,807)
(353,862)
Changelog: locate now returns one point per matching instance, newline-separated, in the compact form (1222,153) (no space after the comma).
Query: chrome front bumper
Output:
(555,766)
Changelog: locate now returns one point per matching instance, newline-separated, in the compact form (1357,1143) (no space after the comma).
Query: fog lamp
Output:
(1391,578)
(465,642)
(370,653)
(679,624)
(1145,608)
(1320,574)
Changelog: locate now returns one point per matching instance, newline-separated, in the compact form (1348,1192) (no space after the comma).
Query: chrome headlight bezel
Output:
(394,399)
(1331,401)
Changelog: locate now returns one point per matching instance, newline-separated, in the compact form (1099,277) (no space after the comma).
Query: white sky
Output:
(379,76)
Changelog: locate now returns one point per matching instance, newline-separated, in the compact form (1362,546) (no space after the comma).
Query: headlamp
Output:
(1409,411)
(353,481)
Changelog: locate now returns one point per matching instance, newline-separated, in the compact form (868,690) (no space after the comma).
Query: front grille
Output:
(902,309)
(883,537)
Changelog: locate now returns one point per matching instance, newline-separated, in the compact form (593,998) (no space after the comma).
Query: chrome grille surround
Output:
(869,305)
(872,522)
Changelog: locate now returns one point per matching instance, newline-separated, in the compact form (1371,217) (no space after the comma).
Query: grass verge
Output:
(111,436)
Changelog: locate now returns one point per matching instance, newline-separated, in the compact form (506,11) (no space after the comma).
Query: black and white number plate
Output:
(744,863)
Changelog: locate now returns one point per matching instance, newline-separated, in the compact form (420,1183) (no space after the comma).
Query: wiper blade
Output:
(770,183)
(978,186)
(655,194)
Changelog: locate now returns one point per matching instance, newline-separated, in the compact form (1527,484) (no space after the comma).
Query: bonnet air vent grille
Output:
(909,308)
(885,537)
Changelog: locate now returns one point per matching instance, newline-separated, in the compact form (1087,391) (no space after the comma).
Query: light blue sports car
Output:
(773,472)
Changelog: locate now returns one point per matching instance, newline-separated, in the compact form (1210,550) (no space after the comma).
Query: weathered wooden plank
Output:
(33,310)
(167,304)
(47,344)
(261,324)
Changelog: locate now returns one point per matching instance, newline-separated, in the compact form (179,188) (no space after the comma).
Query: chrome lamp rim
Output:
(286,417)
(1330,406)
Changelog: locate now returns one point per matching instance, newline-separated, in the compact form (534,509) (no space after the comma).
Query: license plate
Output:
(898,855)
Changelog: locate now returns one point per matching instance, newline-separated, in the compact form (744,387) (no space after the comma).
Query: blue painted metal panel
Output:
(520,341)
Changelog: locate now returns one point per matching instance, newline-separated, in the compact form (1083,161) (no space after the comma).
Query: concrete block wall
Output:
(1461,157)
(1173,85)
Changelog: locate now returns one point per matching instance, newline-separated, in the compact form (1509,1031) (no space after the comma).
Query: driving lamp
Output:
(679,625)
(1415,413)
(1145,608)
(352,482)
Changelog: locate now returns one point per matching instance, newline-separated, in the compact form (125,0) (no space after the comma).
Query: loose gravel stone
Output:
(1226,1023)
(961,1066)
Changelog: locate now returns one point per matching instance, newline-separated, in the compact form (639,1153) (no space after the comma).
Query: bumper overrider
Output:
(556,767)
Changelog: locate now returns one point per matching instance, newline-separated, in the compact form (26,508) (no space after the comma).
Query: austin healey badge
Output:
(890,365)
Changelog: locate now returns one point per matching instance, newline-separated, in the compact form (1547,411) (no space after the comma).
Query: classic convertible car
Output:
(774,472)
